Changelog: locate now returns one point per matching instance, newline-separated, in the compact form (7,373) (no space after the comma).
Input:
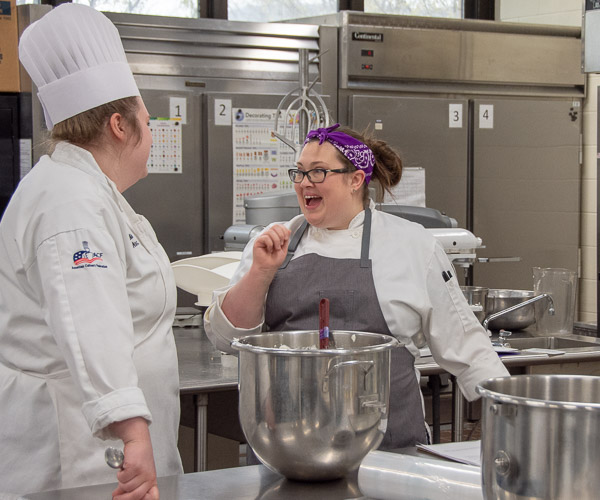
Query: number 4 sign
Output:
(486,116)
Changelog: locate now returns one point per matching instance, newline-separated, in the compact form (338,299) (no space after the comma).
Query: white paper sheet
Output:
(410,190)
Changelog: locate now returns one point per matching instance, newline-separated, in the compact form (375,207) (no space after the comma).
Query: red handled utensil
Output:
(324,324)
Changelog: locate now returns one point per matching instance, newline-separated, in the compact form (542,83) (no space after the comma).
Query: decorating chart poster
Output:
(165,153)
(260,160)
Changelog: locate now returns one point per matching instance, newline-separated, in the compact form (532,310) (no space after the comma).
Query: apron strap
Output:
(366,240)
(364,249)
(294,243)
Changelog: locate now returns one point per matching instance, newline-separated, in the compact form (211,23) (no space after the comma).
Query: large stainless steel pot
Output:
(499,299)
(314,414)
(541,437)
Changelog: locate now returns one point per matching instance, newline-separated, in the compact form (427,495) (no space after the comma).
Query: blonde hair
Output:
(88,127)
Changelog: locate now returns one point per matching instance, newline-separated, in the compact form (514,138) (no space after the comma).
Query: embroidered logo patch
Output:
(87,258)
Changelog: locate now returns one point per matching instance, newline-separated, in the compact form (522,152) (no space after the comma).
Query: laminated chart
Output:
(165,153)
(260,161)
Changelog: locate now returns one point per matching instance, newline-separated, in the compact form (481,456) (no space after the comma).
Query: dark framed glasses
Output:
(316,175)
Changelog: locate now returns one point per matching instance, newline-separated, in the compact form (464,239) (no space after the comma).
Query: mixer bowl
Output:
(311,414)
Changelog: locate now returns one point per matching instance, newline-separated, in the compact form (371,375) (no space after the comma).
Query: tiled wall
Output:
(569,13)
(587,283)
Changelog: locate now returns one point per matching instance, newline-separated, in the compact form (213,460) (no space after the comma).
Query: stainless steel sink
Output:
(553,342)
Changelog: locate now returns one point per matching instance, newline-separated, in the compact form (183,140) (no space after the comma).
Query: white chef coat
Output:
(415,299)
(87,301)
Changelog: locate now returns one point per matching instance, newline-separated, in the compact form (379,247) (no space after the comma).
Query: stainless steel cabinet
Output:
(419,129)
(511,173)
(219,154)
(174,202)
(526,187)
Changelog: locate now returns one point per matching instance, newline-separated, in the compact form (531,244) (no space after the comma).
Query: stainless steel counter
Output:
(242,483)
(516,363)
(589,353)
(204,371)
(201,366)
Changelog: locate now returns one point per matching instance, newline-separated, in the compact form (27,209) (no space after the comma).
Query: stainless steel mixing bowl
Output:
(500,299)
(477,298)
(313,414)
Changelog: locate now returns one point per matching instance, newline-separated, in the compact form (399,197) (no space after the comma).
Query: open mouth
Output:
(311,201)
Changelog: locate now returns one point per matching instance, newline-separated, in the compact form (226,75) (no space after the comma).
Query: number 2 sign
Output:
(223,112)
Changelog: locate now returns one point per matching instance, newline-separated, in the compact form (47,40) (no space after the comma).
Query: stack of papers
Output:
(465,452)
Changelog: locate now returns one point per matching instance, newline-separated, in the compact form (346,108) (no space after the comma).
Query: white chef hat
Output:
(75,57)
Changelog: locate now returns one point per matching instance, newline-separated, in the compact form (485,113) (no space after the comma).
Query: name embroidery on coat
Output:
(134,242)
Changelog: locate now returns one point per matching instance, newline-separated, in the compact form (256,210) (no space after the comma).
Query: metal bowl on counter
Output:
(540,437)
(312,414)
(500,299)
(477,298)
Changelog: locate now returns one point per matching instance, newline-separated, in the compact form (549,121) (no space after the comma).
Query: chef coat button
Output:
(356,234)
(317,235)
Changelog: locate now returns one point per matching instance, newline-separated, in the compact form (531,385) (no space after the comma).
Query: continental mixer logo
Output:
(86,258)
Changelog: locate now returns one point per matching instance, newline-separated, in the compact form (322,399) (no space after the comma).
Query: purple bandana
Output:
(359,154)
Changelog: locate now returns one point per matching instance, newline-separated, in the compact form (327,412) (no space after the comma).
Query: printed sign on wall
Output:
(165,153)
(260,160)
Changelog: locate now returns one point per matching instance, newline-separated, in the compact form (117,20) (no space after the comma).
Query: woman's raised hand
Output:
(243,305)
(270,248)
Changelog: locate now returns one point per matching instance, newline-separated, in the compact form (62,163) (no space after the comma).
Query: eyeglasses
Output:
(316,175)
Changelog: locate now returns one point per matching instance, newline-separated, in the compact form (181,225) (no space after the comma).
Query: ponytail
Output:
(388,164)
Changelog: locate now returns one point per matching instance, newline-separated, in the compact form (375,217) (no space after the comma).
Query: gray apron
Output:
(293,304)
